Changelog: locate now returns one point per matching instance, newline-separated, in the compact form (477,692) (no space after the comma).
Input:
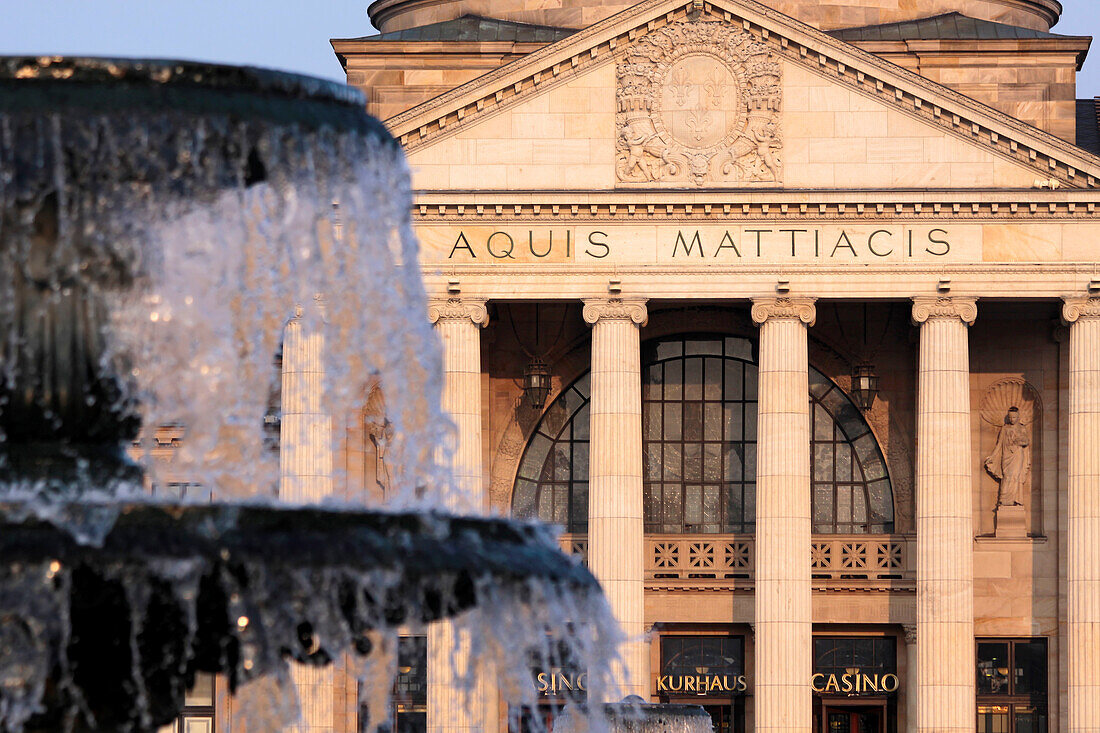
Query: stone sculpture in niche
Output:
(1010,461)
(1011,407)
(379,431)
(699,103)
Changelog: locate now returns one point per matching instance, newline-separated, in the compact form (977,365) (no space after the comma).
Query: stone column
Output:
(453,708)
(305,430)
(1083,537)
(784,612)
(911,692)
(615,528)
(945,517)
(305,474)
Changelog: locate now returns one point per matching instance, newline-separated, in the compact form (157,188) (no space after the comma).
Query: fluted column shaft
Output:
(305,430)
(945,517)
(459,324)
(615,526)
(784,613)
(452,707)
(1083,540)
(305,474)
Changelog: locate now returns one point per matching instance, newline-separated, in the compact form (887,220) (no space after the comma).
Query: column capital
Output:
(926,308)
(910,634)
(802,309)
(616,309)
(1076,307)
(459,309)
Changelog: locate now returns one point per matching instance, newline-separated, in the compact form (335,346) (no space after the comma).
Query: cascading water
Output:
(634,715)
(159,223)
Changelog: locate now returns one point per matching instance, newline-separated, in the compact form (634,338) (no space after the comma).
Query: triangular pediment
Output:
(723,94)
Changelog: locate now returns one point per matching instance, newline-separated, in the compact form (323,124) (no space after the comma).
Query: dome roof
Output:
(395,15)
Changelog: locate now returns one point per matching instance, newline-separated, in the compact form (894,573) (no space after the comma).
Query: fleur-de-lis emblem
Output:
(681,86)
(699,122)
(715,89)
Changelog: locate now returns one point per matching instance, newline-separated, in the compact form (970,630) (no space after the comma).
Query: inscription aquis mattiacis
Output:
(693,245)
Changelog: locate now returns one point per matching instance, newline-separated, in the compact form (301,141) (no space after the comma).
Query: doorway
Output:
(853,719)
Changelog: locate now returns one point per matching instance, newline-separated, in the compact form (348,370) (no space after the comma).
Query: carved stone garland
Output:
(699,103)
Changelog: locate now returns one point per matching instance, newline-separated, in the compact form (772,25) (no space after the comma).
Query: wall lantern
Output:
(536,383)
(865,386)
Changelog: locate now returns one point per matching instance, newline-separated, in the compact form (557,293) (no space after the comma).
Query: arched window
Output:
(699,398)
(553,475)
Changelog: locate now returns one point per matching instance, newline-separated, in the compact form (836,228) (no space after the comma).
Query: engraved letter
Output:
(594,243)
(696,240)
(871,243)
(462,243)
(511,245)
(933,240)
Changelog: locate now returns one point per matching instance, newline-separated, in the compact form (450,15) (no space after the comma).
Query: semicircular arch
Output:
(699,447)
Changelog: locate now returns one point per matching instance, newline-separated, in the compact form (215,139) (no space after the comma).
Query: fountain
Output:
(635,715)
(159,221)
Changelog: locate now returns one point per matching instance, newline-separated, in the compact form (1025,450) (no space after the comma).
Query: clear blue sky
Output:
(284,34)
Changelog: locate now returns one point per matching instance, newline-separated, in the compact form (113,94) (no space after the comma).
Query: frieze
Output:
(684,244)
(926,308)
(699,103)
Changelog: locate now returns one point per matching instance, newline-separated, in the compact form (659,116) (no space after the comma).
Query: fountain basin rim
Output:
(417,544)
(50,84)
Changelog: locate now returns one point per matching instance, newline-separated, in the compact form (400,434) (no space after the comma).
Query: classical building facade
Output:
(789,313)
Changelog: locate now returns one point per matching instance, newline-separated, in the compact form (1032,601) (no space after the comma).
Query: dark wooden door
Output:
(853,720)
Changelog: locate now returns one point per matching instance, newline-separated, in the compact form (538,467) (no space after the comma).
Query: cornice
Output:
(1078,307)
(895,270)
(795,41)
(719,206)
(471,310)
(926,308)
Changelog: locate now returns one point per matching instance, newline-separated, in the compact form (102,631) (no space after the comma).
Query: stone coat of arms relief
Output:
(699,103)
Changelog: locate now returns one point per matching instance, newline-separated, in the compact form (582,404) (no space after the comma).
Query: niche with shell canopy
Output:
(1009,500)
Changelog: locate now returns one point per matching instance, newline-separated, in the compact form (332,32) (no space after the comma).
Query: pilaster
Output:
(945,534)
(1082,545)
(911,690)
(615,526)
(784,613)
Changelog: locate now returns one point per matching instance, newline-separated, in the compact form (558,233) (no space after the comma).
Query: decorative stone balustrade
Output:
(834,559)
